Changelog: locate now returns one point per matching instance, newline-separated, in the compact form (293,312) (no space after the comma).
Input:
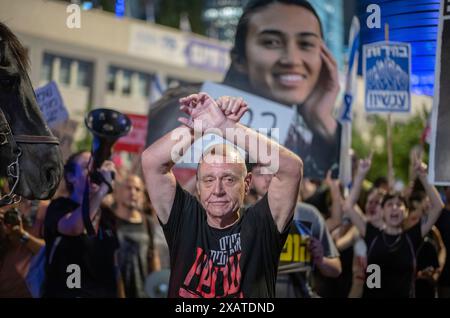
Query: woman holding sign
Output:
(279,54)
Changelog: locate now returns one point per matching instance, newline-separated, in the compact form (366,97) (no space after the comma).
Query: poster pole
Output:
(389,131)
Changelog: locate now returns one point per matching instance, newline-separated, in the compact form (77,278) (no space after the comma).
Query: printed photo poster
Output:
(439,168)
(267,117)
(387,74)
(284,124)
(264,116)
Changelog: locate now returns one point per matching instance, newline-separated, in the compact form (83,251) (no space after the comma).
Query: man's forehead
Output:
(134,181)
(220,168)
(232,157)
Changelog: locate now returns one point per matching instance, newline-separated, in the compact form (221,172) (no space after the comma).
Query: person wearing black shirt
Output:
(67,244)
(390,246)
(309,242)
(136,256)
(217,249)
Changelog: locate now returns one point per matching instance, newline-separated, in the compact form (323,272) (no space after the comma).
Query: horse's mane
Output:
(15,46)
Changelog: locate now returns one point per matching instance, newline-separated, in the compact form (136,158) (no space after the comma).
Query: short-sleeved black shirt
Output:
(396,257)
(94,256)
(238,261)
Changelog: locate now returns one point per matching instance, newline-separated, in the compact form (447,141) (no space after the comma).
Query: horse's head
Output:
(29,153)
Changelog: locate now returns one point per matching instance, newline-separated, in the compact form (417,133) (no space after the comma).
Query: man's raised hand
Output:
(232,107)
(204,112)
(364,165)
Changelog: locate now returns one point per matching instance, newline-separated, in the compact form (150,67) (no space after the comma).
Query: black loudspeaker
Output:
(106,126)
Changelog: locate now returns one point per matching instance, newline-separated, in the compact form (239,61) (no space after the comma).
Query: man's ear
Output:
(247,182)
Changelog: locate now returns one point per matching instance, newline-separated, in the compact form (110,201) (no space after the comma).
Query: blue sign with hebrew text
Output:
(387,73)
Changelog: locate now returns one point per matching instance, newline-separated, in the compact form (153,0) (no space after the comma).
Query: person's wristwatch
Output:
(24,238)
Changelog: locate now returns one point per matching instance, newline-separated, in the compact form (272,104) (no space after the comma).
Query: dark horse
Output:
(29,154)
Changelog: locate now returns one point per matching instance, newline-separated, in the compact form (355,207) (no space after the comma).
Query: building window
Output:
(47,68)
(175,82)
(84,71)
(64,71)
(131,81)
(112,78)
(126,82)
(144,85)
(84,74)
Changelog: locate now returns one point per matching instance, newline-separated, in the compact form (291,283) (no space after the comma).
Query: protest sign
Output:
(387,69)
(134,141)
(51,104)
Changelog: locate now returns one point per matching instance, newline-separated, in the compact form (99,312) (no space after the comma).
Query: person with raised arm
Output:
(391,247)
(217,248)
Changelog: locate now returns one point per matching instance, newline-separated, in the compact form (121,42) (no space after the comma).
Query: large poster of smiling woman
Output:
(279,55)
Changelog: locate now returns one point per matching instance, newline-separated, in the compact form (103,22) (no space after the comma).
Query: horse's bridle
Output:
(13,169)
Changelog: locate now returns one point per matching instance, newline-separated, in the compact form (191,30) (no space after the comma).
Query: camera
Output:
(11,217)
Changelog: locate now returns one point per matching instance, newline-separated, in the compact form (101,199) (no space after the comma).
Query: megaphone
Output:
(106,126)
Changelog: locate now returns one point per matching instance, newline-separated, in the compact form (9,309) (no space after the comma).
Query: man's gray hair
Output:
(229,152)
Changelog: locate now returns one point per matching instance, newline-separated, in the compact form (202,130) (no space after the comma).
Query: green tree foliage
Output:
(108,5)
(405,135)
(169,12)
(85,143)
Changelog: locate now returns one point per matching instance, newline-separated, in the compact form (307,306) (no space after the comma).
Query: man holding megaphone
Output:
(79,231)
(80,265)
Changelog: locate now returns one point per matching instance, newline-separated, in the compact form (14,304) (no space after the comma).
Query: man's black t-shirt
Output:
(396,256)
(94,256)
(239,261)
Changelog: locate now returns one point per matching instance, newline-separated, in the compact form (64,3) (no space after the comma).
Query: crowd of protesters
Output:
(238,229)
(406,233)
(115,262)
(327,250)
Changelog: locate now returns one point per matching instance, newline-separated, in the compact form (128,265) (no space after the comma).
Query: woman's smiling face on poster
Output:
(283,52)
